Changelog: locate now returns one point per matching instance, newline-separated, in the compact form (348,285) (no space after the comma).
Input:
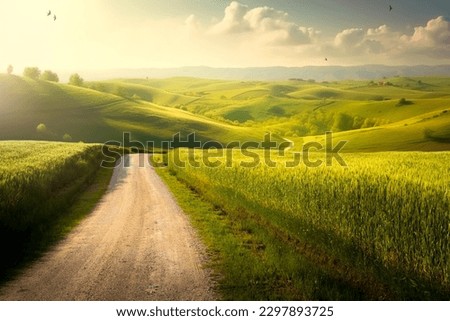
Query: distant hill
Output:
(366,113)
(319,73)
(398,113)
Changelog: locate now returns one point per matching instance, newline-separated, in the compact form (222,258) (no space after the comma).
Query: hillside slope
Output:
(93,116)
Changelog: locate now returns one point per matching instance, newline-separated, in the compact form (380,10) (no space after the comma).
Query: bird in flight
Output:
(390,8)
(326,59)
(49,13)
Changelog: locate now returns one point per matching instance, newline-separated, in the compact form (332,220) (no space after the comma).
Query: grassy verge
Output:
(48,234)
(252,262)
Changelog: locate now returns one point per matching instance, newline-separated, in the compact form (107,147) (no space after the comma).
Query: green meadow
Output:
(377,228)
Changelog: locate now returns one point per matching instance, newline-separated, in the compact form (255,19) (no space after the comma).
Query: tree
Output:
(32,72)
(9,70)
(49,75)
(76,80)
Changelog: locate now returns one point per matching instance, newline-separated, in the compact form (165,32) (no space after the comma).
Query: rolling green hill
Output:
(427,132)
(367,99)
(94,116)
(387,114)
(367,113)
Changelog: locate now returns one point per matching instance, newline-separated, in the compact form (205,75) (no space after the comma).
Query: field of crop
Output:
(385,215)
(37,179)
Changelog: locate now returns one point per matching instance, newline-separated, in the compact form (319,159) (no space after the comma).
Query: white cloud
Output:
(349,38)
(435,33)
(428,42)
(233,21)
(264,23)
(266,36)
(356,41)
(381,30)
(384,45)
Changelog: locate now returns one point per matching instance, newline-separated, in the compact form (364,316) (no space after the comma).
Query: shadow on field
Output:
(271,256)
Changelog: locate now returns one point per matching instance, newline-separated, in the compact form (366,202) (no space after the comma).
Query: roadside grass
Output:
(231,261)
(82,206)
(254,261)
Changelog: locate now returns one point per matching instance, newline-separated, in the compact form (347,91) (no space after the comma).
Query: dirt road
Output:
(136,245)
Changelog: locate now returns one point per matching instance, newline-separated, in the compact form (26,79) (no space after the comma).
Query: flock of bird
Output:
(50,13)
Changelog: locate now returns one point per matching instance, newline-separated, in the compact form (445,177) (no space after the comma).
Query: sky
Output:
(104,34)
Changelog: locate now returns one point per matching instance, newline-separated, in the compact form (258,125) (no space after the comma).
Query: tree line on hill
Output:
(47,75)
